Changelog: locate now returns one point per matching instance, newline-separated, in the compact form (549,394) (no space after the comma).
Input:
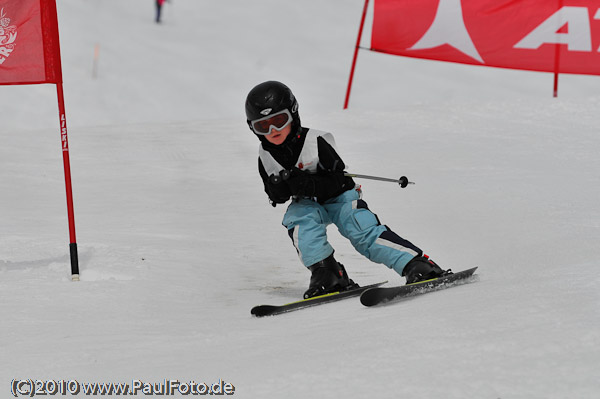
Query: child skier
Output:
(303,164)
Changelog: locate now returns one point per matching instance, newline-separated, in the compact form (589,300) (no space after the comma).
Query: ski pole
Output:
(402,181)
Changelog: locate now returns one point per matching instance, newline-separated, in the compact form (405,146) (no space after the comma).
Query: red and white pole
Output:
(67,166)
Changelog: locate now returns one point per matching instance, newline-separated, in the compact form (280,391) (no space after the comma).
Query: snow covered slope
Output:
(177,241)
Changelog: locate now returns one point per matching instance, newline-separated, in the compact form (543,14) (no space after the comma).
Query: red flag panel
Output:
(29,45)
(541,35)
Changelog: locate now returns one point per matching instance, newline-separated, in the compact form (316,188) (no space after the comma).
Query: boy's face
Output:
(277,137)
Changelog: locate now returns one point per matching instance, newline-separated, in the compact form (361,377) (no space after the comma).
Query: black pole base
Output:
(74,262)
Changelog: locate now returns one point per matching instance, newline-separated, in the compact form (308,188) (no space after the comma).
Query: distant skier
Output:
(303,164)
(159,4)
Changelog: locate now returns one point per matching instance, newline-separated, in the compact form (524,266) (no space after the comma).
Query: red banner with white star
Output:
(29,46)
(561,36)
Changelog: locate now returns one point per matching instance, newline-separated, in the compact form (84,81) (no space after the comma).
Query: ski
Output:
(272,310)
(379,295)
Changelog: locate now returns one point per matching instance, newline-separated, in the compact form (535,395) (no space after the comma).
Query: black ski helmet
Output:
(268,98)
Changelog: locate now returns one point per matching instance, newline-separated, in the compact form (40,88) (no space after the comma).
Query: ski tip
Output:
(262,310)
(369,297)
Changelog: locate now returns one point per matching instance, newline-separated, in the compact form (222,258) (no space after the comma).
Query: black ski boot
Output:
(421,268)
(328,276)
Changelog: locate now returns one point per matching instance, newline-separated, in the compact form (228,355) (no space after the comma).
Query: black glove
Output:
(301,184)
(278,191)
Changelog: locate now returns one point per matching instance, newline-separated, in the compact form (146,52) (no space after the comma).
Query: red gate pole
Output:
(67,167)
(557,58)
(362,23)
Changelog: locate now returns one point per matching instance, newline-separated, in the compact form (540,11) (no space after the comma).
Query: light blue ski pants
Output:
(307,223)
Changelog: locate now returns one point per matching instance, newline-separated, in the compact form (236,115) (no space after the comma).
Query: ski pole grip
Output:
(275,179)
(283,175)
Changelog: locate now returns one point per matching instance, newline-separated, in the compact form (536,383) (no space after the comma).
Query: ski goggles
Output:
(278,120)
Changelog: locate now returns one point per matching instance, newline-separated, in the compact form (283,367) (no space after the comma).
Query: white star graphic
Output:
(448,27)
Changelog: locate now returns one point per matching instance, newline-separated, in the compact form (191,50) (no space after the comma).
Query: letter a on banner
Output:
(30,54)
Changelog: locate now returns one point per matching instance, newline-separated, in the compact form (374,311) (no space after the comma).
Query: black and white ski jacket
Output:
(309,155)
